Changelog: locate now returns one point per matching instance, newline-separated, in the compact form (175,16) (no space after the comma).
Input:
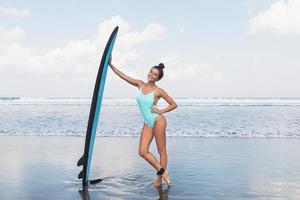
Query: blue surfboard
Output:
(85,160)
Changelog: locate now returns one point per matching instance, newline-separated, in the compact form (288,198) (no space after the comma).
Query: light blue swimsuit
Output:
(146,102)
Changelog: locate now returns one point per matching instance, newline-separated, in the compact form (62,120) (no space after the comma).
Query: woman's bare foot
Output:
(166,177)
(157,181)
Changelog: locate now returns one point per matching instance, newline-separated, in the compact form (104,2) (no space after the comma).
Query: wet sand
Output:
(44,167)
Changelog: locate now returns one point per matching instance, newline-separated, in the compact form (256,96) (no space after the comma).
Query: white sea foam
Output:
(119,117)
(131,101)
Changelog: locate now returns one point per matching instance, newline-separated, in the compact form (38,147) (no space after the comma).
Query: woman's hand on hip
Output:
(155,110)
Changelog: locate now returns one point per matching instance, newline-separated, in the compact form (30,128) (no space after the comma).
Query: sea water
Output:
(194,117)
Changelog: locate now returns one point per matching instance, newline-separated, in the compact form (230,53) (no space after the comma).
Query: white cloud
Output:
(11,35)
(12,52)
(77,60)
(186,78)
(282,17)
(129,37)
(180,28)
(178,69)
(12,11)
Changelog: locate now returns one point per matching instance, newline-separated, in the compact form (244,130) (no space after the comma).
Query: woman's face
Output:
(153,74)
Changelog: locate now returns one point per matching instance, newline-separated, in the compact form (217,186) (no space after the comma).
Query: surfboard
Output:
(85,160)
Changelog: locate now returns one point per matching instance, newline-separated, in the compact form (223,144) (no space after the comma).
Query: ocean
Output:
(218,148)
(194,117)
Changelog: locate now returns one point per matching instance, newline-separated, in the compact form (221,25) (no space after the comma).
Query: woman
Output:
(154,121)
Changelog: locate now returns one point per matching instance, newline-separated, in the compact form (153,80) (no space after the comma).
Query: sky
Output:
(210,48)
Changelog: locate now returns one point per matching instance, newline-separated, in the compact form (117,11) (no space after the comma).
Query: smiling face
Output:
(153,74)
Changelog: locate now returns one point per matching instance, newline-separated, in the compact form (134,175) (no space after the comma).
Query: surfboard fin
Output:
(96,181)
(80,162)
(80,175)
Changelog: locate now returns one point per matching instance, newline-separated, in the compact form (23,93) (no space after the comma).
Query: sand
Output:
(44,167)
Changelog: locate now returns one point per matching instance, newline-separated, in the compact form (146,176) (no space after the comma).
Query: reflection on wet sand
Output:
(207,168)
(84,193)
(163,193)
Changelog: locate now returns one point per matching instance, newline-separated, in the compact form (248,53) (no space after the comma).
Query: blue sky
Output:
(67,20)
(210,48)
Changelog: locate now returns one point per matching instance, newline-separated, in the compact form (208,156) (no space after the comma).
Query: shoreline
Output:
(168,136)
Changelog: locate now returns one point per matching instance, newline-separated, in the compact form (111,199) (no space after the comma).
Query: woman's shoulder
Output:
(160,91)
(140,83)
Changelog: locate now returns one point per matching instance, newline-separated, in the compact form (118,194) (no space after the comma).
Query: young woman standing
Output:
(154,121)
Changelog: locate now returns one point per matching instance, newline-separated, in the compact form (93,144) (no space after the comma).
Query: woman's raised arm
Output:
(132,81)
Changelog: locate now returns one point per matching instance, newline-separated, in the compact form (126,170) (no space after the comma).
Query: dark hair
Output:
(160,68)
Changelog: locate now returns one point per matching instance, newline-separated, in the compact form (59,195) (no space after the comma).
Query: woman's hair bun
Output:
(161,65)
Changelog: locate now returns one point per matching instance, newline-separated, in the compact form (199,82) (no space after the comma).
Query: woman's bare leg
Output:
(145,141)
(160,138)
